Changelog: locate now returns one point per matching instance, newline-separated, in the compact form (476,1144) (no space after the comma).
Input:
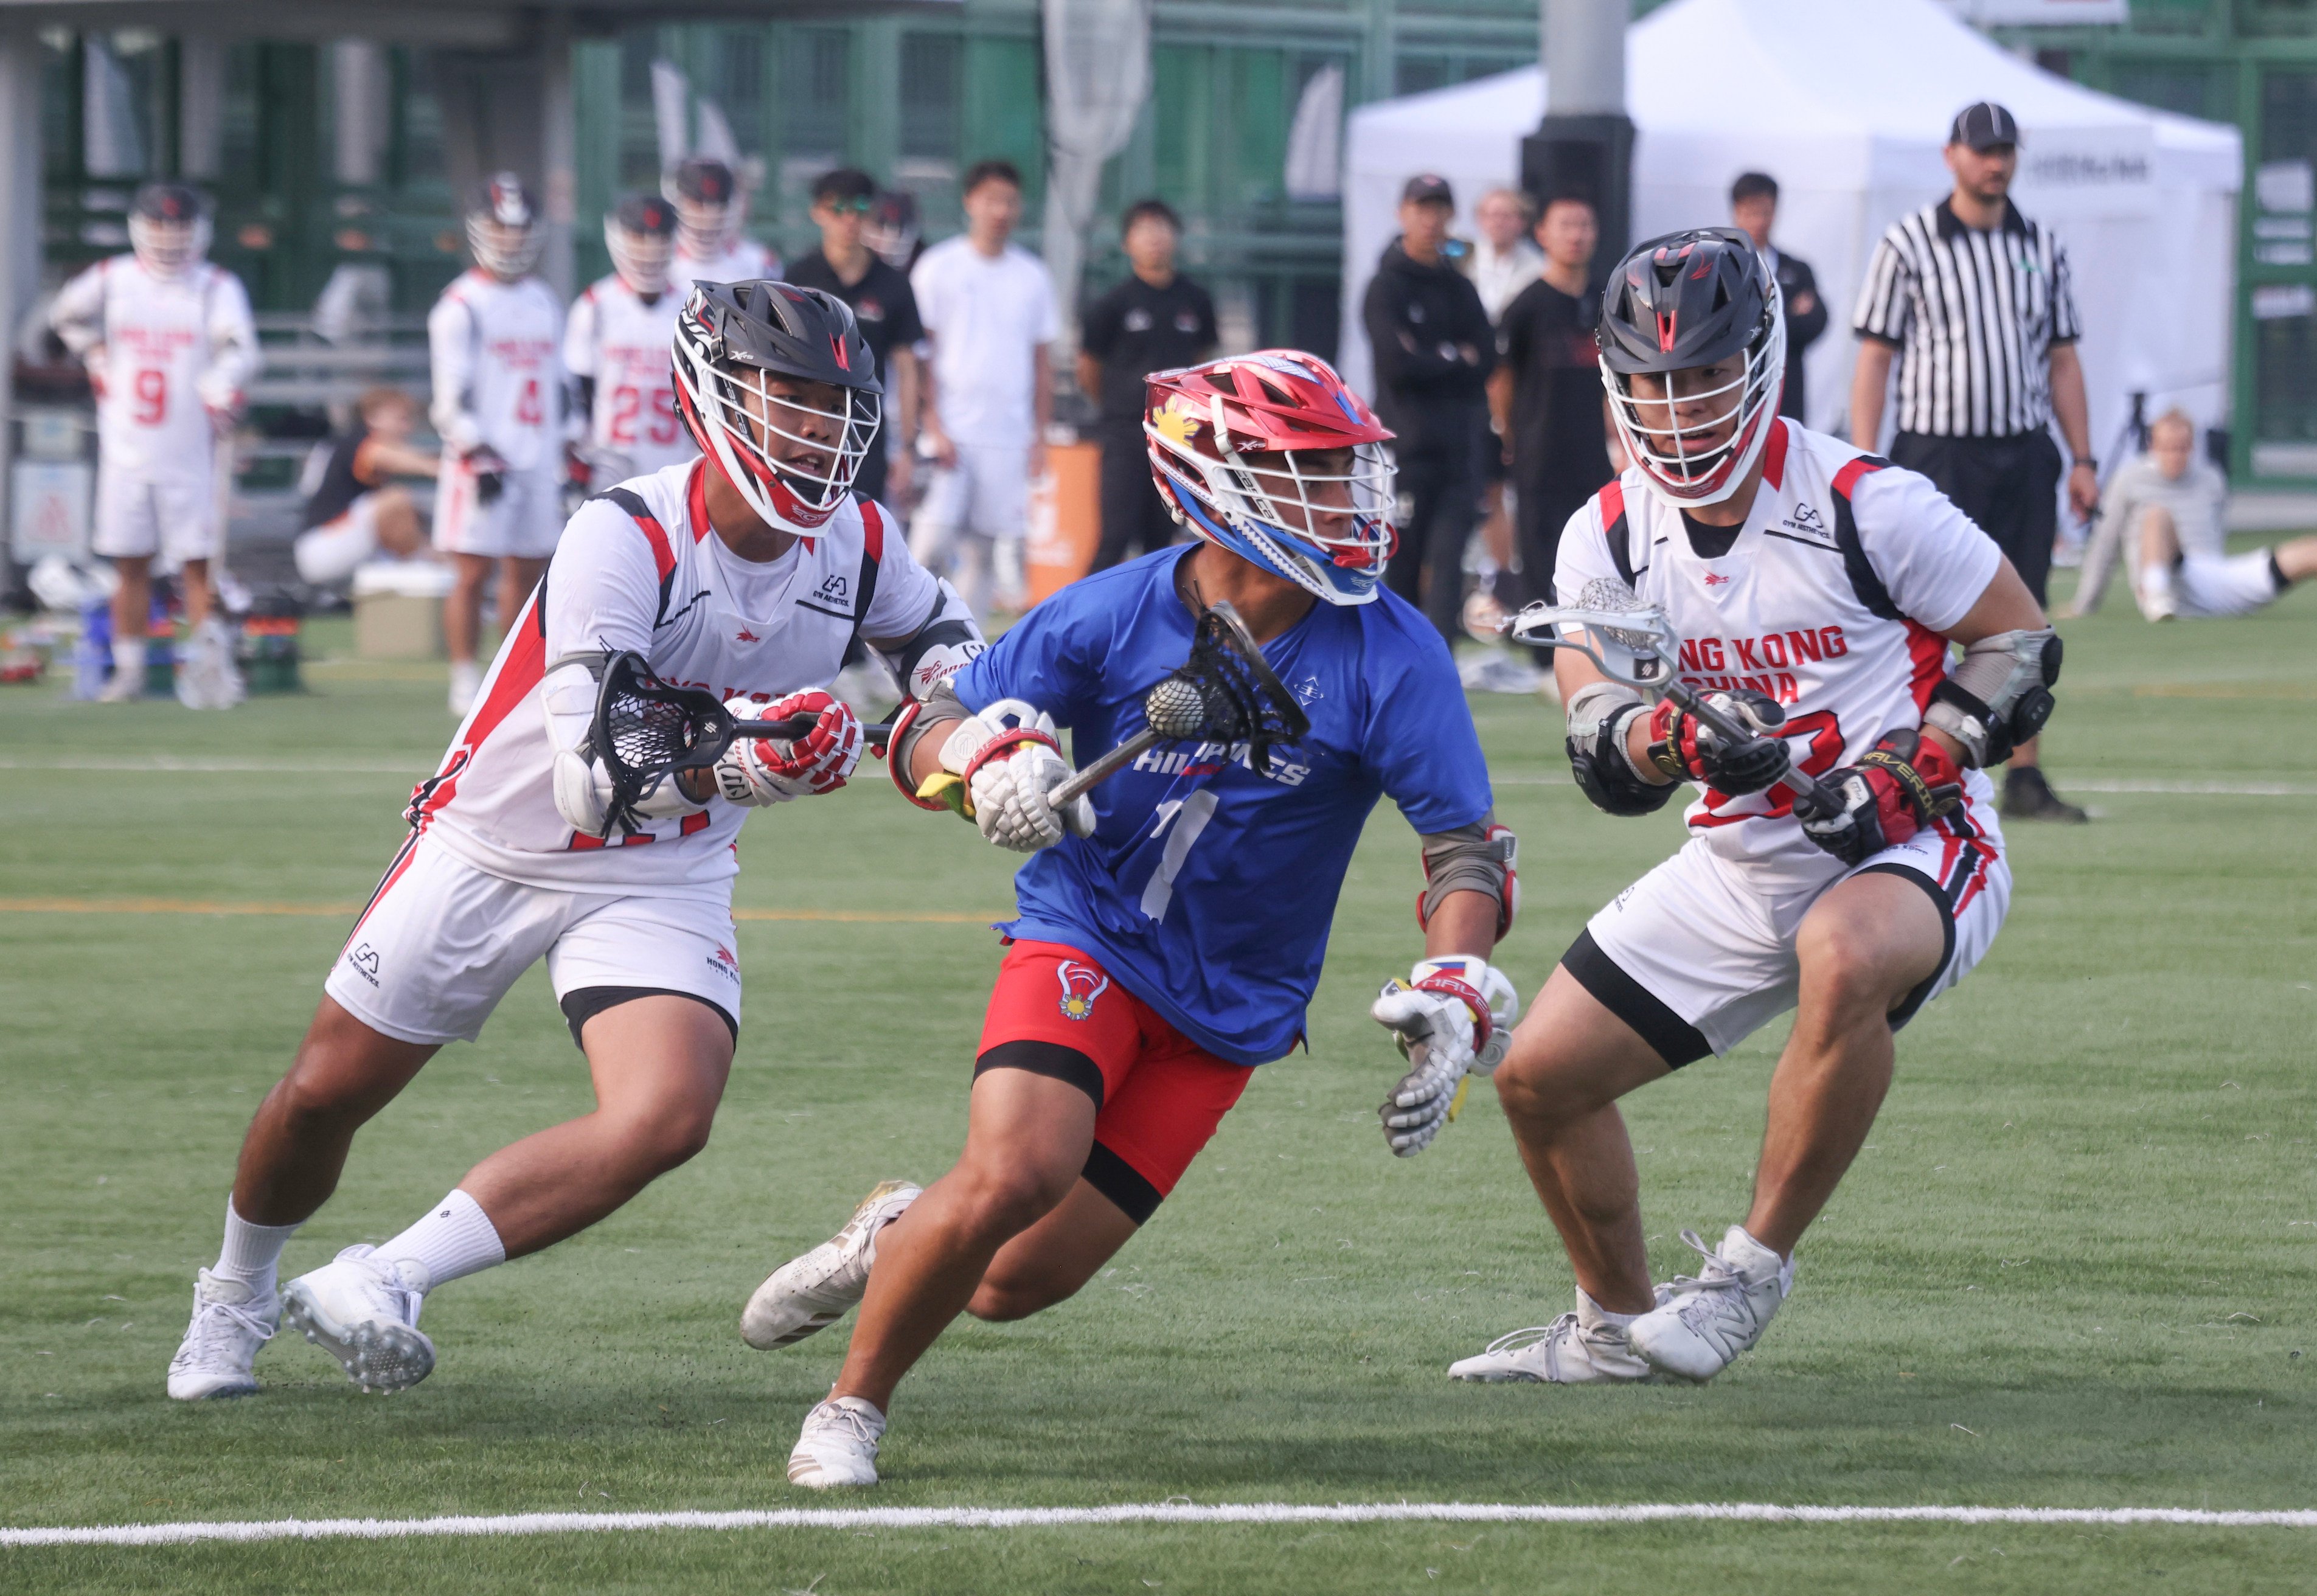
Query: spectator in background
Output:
(1973,302)
(989,311)
(357,510)
(1502,261)
(1754,209)
(1433,350)
(887,310)
(2167,514)
(1154,321)
(1547,392)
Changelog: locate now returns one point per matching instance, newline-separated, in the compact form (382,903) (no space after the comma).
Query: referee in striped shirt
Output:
(1971,301)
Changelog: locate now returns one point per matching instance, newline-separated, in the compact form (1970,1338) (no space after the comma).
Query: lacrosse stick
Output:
(648,730)
(1225,693)
(1635,644)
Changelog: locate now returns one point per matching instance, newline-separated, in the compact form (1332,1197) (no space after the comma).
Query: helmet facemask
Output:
(506,250)
(1671,434)
(640,258)
(792,459)
(170,247)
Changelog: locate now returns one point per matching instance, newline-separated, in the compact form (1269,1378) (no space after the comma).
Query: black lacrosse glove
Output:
(489,472)
(1687,750)
(1901,784)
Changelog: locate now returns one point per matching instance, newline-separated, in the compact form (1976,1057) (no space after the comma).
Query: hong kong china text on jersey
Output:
(1765,663)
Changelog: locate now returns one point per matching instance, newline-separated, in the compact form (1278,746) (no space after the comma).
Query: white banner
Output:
(49,500)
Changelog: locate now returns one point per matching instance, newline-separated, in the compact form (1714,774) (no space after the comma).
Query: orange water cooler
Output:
(1065,519)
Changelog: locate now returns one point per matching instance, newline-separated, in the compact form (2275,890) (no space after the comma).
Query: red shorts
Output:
(1158,1095)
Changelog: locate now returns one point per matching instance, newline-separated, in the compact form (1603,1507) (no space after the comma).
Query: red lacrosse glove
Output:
(764,771)
(1687,750)
(1900,785)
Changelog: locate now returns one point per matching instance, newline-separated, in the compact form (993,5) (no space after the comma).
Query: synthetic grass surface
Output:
(2074,1268)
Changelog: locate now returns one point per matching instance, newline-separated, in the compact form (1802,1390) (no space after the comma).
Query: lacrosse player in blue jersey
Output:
(1174,918)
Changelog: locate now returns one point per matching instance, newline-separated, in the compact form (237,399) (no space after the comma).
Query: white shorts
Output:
(137,517)
(326,555)
(2204,586)
(1696,958)
(443,941)
(525,521)
(986,492)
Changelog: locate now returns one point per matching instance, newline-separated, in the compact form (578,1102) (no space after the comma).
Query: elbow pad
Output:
(1599,717)
(947,643)
(582,786)
(2000,695)
(1482,857)
(940,710)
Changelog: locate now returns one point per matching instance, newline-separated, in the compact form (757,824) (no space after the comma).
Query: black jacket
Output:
(1432,345)
(1797,281)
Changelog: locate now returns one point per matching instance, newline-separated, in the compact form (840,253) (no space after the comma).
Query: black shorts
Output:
(2009,485)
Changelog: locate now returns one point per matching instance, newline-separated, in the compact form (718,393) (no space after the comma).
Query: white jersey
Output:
(743,259)
(497,352)
(1834,600)
(651,576)
(176,348)
(620,343)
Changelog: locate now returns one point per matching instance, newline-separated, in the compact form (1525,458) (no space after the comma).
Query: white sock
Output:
(252,1253)
(128,655)
(1604,1314)
(454,1238)
(2156,581)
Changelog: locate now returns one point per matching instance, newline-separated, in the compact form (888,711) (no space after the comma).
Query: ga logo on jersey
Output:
(1081,985)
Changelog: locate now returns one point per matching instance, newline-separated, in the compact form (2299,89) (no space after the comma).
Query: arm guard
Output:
(1598,716)
(939,711)
(1999,696)
(943,645)
(582,787)
(1482,857)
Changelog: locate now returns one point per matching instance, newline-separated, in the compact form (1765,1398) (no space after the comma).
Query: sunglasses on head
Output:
(858,206)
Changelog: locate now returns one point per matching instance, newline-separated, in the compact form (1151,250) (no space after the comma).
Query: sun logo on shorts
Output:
(1081,985)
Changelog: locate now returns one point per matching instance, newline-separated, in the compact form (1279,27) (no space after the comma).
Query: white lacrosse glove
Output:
(1009,761)
(1450,1017)
(759,771)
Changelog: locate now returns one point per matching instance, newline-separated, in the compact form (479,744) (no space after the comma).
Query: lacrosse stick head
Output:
(1631,641)
(648,729)
(1226,692)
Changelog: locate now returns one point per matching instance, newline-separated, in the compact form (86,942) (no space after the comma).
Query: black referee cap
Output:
(1983,126)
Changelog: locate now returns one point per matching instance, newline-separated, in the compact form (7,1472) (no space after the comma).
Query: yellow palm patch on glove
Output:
(949,791)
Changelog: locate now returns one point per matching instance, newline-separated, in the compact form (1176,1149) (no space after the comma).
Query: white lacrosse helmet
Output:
(640,235)
(709,205)
(168,228)
(731,339)
(1676,303)
(503,231)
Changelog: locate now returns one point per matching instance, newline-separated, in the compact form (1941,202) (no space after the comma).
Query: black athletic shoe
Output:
(2026,796)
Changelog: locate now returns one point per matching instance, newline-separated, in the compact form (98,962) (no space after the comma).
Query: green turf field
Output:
(2073,1269)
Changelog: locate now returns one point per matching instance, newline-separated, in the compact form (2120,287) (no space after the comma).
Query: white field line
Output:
(169,765)
(2073,783)
(1044,1518)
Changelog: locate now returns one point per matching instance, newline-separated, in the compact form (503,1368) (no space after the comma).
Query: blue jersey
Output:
(1207,889)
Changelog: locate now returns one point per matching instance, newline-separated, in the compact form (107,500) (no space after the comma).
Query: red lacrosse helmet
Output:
(1270,456)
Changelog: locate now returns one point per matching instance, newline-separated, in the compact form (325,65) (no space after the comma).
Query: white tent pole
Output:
(1582,43)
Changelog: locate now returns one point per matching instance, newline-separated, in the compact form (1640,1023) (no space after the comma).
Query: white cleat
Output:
(839,1445)
(466,681)
(220,1346)
(816,1289)
(1703,1323)
(123,687)
(366,1315)
(1580,1348)
(207,677)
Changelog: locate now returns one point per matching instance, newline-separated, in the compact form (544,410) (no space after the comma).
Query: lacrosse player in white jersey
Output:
(168,342)
(615,349)
(496,341)
(1817,591)
(711,210)
(748,573)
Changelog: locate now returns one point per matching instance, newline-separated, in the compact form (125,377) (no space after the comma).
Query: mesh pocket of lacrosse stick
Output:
(646,730)
(1242,698)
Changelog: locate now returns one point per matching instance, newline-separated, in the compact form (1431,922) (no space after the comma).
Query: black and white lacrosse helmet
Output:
(731,339)
(892,230)
(1676,303)
(503,230)
(709,205)
(640,233)
(168,228)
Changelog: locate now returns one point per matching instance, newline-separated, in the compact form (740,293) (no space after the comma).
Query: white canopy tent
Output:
(1847,103)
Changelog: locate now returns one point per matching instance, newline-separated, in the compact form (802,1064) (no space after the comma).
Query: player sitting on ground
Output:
(720,573)
(1817,589)
(1172,925)
(357,511)
(2166,512)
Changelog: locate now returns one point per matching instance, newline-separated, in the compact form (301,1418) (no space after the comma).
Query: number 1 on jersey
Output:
(1189,817)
